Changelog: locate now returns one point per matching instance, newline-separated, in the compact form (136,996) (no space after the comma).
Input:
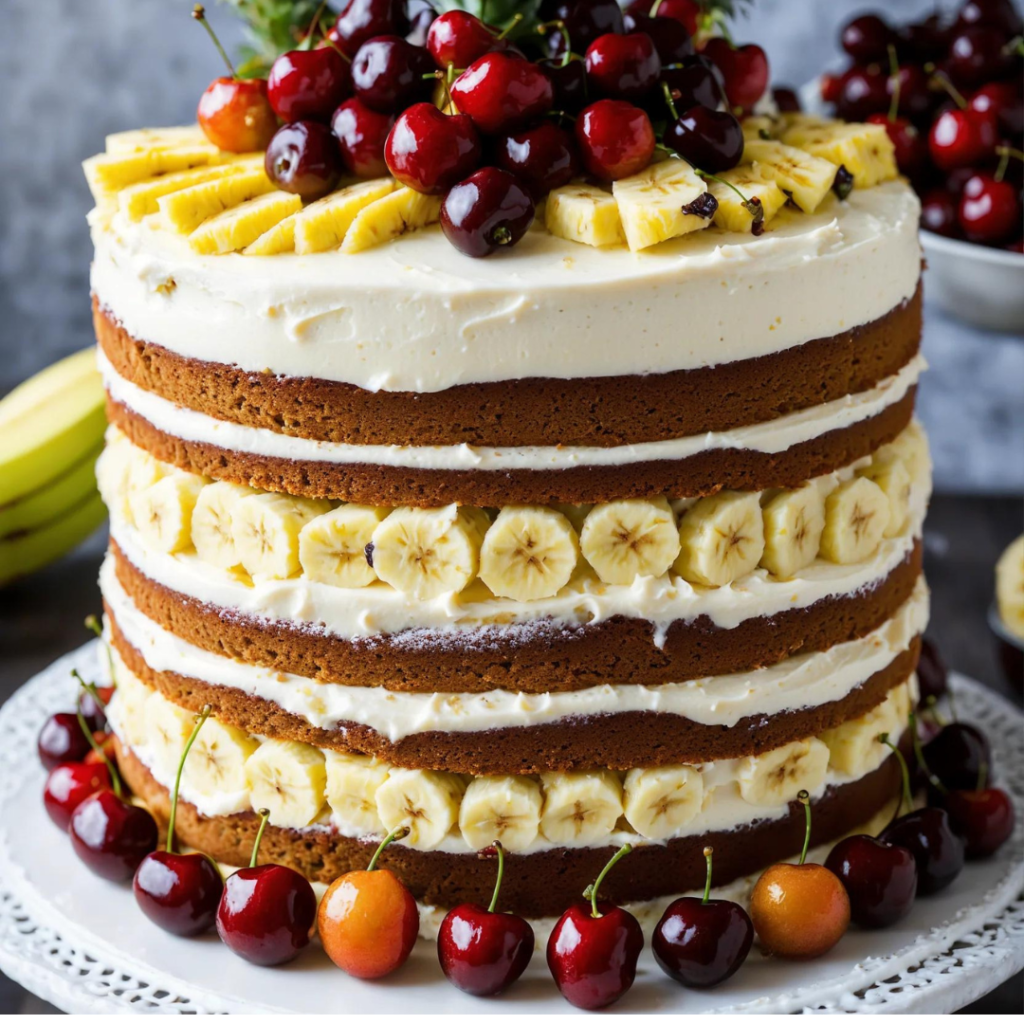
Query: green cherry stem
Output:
(905,794)
(264,817)
(590,893)
(200,719)
(516,18)
(919,757)
(115,779)
(946,83)
(199,13)
(805,798)
(982,776)
(307,39)
(894,77)
(667,92)
(396,833)
(708,851)
(500,851)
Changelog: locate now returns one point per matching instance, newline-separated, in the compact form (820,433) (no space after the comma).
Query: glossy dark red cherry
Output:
(457,38)
(915,97)
(702,942)
(929,837)
(584,20)
(671,40)
(958,754)
(998,14)
(569,81)
(615,139)
(932,673)
(389,74)
(983,818)
(910,145)
(623,67)
(61,739)
(866,38)
(361,134)
(922,41)
(695,82)
(879,878)
(179,892)
(786,100)
(686,12)
(990,210)
(542,157)
(304,158)
(68,784)
(93,706)
(961,138)
(360,20)
(977,55)
(711,140)
(938,214)
(863,91)
(481,951)
(501,93)
(744,70)
(111,836)
(431,151)
(488,211)
(1003,101)
(593,949)
(307,85)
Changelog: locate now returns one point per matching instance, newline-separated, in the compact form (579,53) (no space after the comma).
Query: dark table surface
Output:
(41,618)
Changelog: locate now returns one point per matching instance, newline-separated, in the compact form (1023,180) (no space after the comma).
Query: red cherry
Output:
(625,67)
(389,74)
(93,708)
(431,151)
(990,211)
(866,38)
(593,949)
(235,114)
(483,952)
(361,134)
(959,138)
(307,85)
(569,82)
(501,93)
(1003,101)
(61,739)
(922,41)
(862,91)
(880,879)
(709,139)
(686,12)
(488,211)
(457,39)
(910,145)
(932,673)
(542,157)
(304,158)
(977,55)
(671,40)
(1017,246)
(997,14)
(983,818)
(786,100)
(179,892)
(938,214)
(695,82)
(831,87)
(915,96)
(68,785)
(959,752)
(584,20)
(615,139)
(360,20)
(929,837)
(744,69)
(111,836)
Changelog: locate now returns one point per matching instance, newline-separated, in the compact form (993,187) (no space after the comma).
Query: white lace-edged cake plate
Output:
(81,943)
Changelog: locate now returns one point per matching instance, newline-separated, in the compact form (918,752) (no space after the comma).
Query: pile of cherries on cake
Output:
(589,89)
(952,99)
(368,921)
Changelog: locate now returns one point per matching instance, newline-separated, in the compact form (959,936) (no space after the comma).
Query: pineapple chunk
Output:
(652,204)
(322,225)
(187,209)
(731,214)
(759,127)
(399,212)
(139,139)
(865,150)
(108,173)
(808,179)
(584,213)
(137,201)
(241,225)
(280,238)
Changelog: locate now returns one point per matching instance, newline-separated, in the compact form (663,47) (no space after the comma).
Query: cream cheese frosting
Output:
(416,315)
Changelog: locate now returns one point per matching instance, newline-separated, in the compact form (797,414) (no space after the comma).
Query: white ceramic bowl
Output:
(981,286)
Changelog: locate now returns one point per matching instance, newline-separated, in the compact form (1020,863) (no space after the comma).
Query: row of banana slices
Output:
(364,796)
(524,553)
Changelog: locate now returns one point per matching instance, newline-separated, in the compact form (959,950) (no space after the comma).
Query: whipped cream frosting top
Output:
(417,315)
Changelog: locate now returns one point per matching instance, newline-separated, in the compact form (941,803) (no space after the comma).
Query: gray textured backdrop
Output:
(73,70)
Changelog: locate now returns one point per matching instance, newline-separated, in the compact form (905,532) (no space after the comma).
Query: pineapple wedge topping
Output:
(396,214)
(108,173)
(659,203)
(733,214)
(584,213)
(140,200)
(240,226)
(323,225)
(140,139)
(808,179)
(186,210)
(759,126)
(865,150)
(280,238)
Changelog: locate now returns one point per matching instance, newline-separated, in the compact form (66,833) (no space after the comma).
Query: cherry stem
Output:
(500,850)
(805,798)
(708,851)
(396,833)
(559,26)
(931,706)
(502,235)
(115,779)
(904,771)
(1015,45)
(1006,153)
(307,39)
(591,890)
(667,91)
(199,13)
(264,818)
(200,719)
(894,76)
(982,776)
(919,757)
(958,97)
(516,18)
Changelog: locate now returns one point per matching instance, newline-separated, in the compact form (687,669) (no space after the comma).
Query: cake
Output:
(577,546)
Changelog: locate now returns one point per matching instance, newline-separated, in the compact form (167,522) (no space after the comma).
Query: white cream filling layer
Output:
(772,437)
(416,315)
(804,681)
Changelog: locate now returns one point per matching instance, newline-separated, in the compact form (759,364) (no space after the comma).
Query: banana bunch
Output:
(1010,587)
(853,746)
(52,428)
(776,777)
(659,802)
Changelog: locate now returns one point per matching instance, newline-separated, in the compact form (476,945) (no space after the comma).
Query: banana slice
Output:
(865,150)
(428,552)
(856,515)
(793,522)
(585,214)
(580,807)
(163,512)
(427,802)
(502,807)
(128,704)
(211,523)
(776,777)
(625,539)
(721,538)
(1010,587)
(808,179)
(733,214)
(185,210)
(216,760)
(853,746)
(576,514)
(288,779)
(892,477)
(112,476)
(167,727)
(332,547)
(529,553)
(396,214)
(658,203)
(352,784)
(910,445)
(265,529)
(323,225)
(241,225)
(660,801)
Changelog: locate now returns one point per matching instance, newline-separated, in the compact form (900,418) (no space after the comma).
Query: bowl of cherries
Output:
(951,95)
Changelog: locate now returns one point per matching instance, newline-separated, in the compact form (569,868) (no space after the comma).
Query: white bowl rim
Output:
(969,250)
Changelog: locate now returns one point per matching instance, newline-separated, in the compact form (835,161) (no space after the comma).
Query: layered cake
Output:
(583,544)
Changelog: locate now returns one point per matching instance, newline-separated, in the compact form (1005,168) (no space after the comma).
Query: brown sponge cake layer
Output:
(589,411)
(539,658)
(542,884)
(705,473)
(617,741)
